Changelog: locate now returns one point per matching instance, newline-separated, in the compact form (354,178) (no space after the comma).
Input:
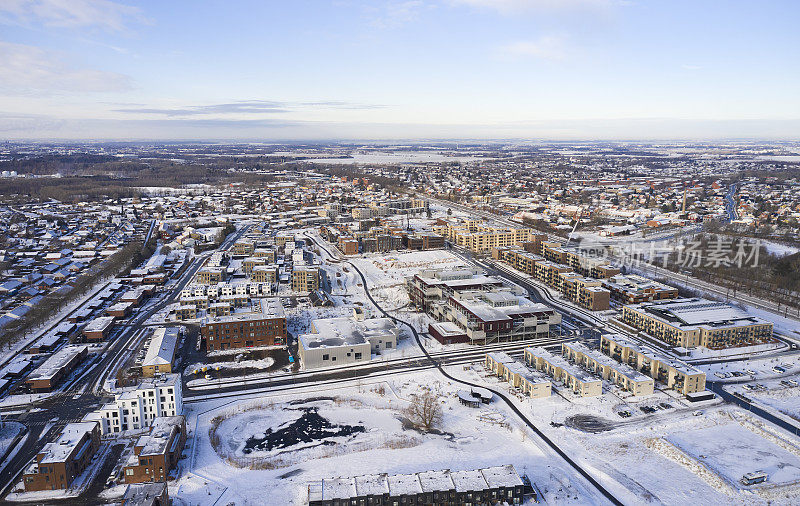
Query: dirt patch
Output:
(310,427)
(589,423)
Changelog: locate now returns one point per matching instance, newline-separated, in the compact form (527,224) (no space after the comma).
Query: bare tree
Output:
(425,411)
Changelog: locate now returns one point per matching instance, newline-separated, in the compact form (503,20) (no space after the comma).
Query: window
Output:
(129,472)
(326,357)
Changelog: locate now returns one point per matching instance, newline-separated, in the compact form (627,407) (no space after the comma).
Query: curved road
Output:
(606,493)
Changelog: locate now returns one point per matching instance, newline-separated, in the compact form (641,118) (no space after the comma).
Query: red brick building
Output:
(263,327)
(63,460)
(157,453)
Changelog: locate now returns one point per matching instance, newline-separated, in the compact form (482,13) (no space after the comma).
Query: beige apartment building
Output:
(305,278)
(689,323)
(671,372)
(527,382)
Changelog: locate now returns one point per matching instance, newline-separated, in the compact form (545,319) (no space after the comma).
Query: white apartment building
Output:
(136,407)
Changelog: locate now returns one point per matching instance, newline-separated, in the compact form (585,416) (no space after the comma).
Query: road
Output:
(730,203)
(718,388)
(436,364)
(652,269)
(76,399)
(439,365)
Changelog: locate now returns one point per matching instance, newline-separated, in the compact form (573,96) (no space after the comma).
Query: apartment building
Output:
(348,245)
(586,292)
(576,379)
(157,453)
(305,278)
(432,287)
(269,254)
(668,371)
(424,241)
(243,248)
(250,262)
(263,325)
(498,316)
(620,374)
(57,465)
(577,285)
(265,274)
(210,275)
(689,323)
(136,407)
(635,289)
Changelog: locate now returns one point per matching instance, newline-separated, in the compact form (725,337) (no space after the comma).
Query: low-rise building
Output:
(160,352)
(530,383)
(156,453)
(57,465)
(635,289)
(146,494)
(620,374)
(574,378)
(671,372)
(99,328)
(492,485)
(49,374)
(339,341)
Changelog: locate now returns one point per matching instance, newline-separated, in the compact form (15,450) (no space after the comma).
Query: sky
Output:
(399,69)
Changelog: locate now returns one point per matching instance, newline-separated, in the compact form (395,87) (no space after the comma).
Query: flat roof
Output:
(559,361)
(61,448)
(693,313)
(56,362)
(346,331)
(99,324)
(652,354)
(162,432)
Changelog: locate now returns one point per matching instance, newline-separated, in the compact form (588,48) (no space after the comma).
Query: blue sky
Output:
(408,69)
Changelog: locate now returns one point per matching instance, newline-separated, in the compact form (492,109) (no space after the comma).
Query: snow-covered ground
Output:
(637,452)
(782,397)
(471,438)
(386,272)
(755,368)
(732,451)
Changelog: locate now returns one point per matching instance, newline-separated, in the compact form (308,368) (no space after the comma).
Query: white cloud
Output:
(103,14)
(29,69)
(508,6)
(546,47)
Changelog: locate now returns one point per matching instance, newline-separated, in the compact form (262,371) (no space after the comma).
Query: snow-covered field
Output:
(732,451)
(754,368)
(638,452)
(386,273)
(784,399)
(470,438)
